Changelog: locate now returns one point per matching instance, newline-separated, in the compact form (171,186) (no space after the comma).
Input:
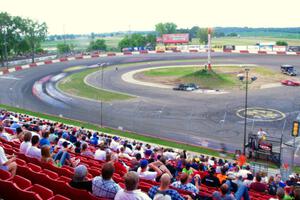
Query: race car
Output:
(290,83)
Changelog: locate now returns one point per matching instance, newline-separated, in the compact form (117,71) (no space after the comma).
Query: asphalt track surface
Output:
(192,118)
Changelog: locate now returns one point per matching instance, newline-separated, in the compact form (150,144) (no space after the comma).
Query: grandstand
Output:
(46,177)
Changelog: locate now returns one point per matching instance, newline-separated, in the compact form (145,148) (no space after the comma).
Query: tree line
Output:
(20,36)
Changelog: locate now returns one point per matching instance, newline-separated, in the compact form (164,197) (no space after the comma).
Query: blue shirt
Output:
(44,141)
(188,187)
(172,193)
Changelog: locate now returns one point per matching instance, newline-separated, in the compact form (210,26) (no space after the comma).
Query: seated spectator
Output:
(100,154)
(223,195)
(77,147)
(163,191)
(280,193)
(26,144)
(103,186)
(8,163)
(85,151)
(143,170)
(248,180)
(131,192)
(185,184)
(211,180)
(120,168)
(232,185)
(63,157)
(34,151)
(45,140)
(46,155)
(135,162)
(257,186)
(80,180)
(222,176)
(122,154)
(19,135)
(4,135)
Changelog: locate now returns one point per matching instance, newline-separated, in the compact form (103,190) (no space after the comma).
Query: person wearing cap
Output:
(185,184)
(114,143)
(80,180)
(143,170)
(131,191)
(104,186)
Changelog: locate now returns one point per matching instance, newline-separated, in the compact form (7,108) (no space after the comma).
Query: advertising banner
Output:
(175,38)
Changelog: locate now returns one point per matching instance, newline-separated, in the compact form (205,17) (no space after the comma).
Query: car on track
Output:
(288,69)
(290,83)
(187,87)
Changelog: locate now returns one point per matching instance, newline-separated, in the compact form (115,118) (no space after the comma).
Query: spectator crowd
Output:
(136,170)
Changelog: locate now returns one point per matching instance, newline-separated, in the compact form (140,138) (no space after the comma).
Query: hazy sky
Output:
(86,16)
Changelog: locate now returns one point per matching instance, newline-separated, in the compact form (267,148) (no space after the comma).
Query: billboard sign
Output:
(175,38)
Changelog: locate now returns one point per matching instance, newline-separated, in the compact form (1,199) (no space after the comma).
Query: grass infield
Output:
(74,85)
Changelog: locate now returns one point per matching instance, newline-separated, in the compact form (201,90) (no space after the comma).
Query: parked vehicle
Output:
(187,87)
(288,69)
(290,83)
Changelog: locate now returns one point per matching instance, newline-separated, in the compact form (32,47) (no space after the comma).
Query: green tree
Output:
(5,35)
(138,40)
(193,31)
(170,27)
(203,35)
(151,39)
(232,35)
(35,33)
(165,28)
(98,45)
(63,48)
(281,43)
(125,42)
(160,29)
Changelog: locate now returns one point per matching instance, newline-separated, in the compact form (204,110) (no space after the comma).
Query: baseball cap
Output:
(65,135)
(143,163)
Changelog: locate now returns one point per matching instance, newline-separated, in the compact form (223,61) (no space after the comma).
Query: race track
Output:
(193,118)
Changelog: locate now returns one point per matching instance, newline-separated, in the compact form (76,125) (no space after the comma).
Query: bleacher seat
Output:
(4,175)
(21,182)
(59,197)
(42,191)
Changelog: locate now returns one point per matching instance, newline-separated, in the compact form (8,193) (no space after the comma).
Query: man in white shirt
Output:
(122,154)
(7,163)
(26,144)
(100,154)
(114,144)
(144,173)
(261,134)
(34,151)
(131,192)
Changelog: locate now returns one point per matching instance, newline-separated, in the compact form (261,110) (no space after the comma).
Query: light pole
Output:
(209,49)
(101,101)
(245,79)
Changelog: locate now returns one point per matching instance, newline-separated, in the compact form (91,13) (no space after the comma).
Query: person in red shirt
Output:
(258,186)
(119,167)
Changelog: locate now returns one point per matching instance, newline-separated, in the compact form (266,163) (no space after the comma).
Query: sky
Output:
(99,16)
